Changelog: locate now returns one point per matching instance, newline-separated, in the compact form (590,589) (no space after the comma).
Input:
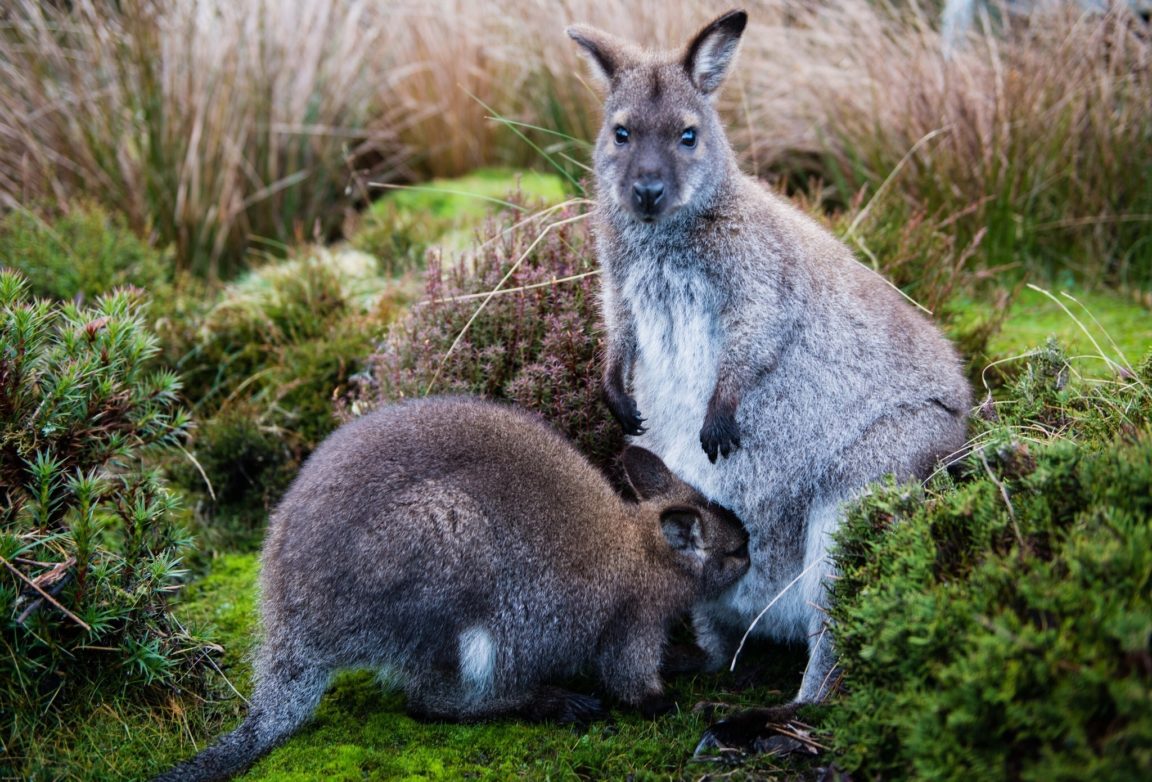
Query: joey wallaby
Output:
(471,554)
(747,348)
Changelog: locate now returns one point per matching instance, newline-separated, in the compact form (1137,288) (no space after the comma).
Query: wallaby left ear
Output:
(606,53)
(713,49)
(682,529)
(647,475)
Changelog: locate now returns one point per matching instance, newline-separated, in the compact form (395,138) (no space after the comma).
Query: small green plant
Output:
(90,544)
(519,320)
(1000,627)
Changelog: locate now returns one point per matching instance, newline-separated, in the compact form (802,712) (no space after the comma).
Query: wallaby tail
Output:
(283,701)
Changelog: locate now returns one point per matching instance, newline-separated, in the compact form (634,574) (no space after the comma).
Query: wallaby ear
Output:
(646,474)
(712,50)
(605,53)
(683,530)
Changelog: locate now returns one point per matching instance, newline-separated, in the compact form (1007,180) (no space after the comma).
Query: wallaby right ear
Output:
(683,530)
(605,53)
(712,50)
(647,475)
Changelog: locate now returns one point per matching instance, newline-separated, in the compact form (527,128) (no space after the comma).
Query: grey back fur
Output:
(469,553)
(747,347)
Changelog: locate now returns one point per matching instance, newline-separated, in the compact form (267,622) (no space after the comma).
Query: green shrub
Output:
(262,364)
(537,342)
(1001,628)
(90,546)
(84,253)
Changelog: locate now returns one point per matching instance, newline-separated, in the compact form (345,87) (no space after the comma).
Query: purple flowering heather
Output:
(538,345)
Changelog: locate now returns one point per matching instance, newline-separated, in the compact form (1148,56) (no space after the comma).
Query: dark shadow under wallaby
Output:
(469,553)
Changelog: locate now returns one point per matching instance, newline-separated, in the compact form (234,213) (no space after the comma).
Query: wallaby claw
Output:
(624,410)
(720,435)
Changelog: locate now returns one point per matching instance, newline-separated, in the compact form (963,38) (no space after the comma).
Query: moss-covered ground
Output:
(361,730)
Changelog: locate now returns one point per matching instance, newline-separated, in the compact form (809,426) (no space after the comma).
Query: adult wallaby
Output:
(740,328)
(470,553)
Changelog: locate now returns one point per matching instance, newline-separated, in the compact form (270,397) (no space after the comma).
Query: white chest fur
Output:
(677,352)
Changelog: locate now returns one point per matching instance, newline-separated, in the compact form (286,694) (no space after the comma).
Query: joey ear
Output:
(647,475)
(713,49)
(683,531)
(605,53)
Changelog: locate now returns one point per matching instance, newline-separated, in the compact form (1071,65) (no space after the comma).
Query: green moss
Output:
(1001,627)
(1032,318)
(361,729)
(1121,327)
(400,227)
(84,253)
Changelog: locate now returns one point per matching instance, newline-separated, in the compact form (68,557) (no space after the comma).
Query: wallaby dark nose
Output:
(648,193)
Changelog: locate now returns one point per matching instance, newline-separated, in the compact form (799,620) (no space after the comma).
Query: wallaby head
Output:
(661,148)
(706,539)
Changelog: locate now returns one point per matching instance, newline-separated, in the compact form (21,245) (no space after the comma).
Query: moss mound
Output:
(1001,628)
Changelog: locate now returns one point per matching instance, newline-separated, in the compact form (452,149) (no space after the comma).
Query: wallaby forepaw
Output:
(720,435)
(624,410)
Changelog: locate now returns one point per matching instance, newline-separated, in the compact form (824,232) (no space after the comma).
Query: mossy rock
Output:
(1002,628)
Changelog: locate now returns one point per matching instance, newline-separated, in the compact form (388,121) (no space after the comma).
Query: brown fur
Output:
(470,553)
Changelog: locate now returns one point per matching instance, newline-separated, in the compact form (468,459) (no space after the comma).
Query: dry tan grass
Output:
(214,124)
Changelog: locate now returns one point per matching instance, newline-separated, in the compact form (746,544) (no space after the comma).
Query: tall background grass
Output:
(223,127)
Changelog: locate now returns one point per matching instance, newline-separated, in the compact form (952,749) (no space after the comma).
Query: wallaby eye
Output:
(622,135)
(688,137)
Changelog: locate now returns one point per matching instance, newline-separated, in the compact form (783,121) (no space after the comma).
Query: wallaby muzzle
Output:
(648,197)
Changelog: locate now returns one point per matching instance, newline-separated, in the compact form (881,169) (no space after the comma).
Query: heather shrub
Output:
(1000,627)
(535,340)
(90,538)
(84,253)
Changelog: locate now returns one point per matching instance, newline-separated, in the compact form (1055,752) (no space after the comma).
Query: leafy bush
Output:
(536,341)
(90,543)
(84,253)
(1002,628)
